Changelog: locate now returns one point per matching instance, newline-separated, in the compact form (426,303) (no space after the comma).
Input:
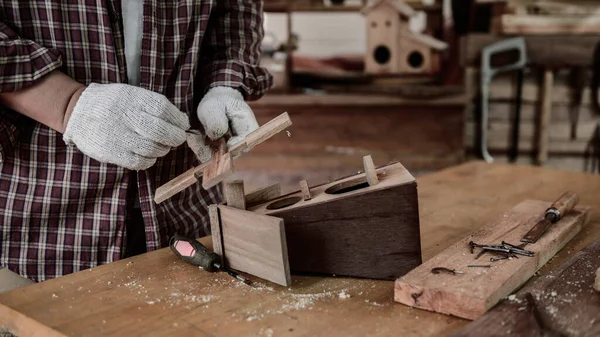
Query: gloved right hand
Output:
(125,125)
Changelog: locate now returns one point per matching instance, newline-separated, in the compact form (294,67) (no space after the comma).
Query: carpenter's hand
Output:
(223,107)
(125,125)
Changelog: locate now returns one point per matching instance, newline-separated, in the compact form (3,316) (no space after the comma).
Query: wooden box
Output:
(352,227)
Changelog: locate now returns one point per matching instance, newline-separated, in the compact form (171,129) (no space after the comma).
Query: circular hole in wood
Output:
(348,186)
(283,203)
(388,23)
(373,24)
(415,59)
(382,54)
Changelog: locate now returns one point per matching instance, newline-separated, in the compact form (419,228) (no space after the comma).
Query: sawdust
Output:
(344,295)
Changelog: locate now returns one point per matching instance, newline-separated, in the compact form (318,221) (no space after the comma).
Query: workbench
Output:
(157,294)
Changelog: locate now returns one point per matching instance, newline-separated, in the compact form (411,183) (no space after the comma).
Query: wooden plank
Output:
(188,301)
(234,194)
(549,25)
(263,194)
(562,302)
(183,181)
(21,325)
(215,230)
(268,130)
(471,294)
(219,168)
(555,50)
(305,190)
(377,237)
(544,119)
(255,244)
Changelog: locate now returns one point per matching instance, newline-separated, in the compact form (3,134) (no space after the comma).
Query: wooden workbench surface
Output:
(157,294)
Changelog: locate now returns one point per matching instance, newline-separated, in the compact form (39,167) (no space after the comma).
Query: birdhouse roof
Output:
(401,6)
(429,41)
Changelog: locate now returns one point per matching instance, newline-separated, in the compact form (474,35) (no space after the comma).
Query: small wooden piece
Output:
(234,194)
(545,112)
(255,244)
(263,194)
(268,130)
(349,228)
(471,294)
(305,190)
(562,303)
(220,167)
(370,171)
(215,229)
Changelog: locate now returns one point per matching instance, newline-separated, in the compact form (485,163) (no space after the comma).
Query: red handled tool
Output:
(192,251)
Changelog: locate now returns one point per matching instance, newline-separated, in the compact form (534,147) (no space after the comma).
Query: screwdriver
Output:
(192,251)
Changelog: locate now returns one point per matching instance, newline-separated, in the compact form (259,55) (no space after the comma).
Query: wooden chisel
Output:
(557,210)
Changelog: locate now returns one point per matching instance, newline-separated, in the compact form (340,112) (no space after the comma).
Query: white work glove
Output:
(125,125)
(223,107)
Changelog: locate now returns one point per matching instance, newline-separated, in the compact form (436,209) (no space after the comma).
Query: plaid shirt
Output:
(61,211)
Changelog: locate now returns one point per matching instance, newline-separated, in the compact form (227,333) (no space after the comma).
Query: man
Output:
(96,100)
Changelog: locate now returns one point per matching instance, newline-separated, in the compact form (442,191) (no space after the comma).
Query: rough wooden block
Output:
(234,194)
(305,190)
(471,294)
(350,228)
(370,171)
(252,243)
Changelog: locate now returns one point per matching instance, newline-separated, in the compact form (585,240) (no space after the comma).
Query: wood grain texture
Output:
(262,195)
(452,204)
(562,303)
(183,181)
(234,194)
(268,130)
(549,25)
(219,168)
(368,232)
(470,295)
(255,244)
(21,325)
(215,230)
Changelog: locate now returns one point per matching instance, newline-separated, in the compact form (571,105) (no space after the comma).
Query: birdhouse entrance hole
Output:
(382,54)
(415,59)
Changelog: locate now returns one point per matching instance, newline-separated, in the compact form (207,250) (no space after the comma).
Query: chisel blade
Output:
(537,231)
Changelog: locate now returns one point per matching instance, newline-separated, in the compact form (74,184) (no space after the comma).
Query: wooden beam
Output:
(234,194)
(263,195)
(221,164)
(549,25)
(215,229)
(545,102)
(562,303)
(471,294)
(551,51)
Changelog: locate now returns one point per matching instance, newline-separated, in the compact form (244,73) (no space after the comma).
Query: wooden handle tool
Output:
(557,210)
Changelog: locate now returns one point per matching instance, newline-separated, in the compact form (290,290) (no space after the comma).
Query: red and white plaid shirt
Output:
(61,211)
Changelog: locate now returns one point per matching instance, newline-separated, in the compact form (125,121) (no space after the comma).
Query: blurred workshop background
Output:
(429,83)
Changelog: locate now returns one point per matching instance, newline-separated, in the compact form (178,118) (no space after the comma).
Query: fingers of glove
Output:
(148,148)
(211,113)
(137,162)
(199,147)
(159,131)
(159,106)
(243,121)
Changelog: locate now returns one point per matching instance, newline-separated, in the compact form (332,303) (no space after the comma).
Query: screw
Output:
(494,259)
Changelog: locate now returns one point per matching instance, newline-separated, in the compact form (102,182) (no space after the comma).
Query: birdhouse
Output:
(392,48)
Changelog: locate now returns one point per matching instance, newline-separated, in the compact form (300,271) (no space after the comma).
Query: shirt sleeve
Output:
(22,61)
(231,51)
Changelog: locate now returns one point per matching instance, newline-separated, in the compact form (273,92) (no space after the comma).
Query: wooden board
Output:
(183,181)
(220,166)
(262,195)
(368,231)
(114,299)
(562,303)
(255,244)
(471,294)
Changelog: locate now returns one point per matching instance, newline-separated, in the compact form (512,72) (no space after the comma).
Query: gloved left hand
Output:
(223,107)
